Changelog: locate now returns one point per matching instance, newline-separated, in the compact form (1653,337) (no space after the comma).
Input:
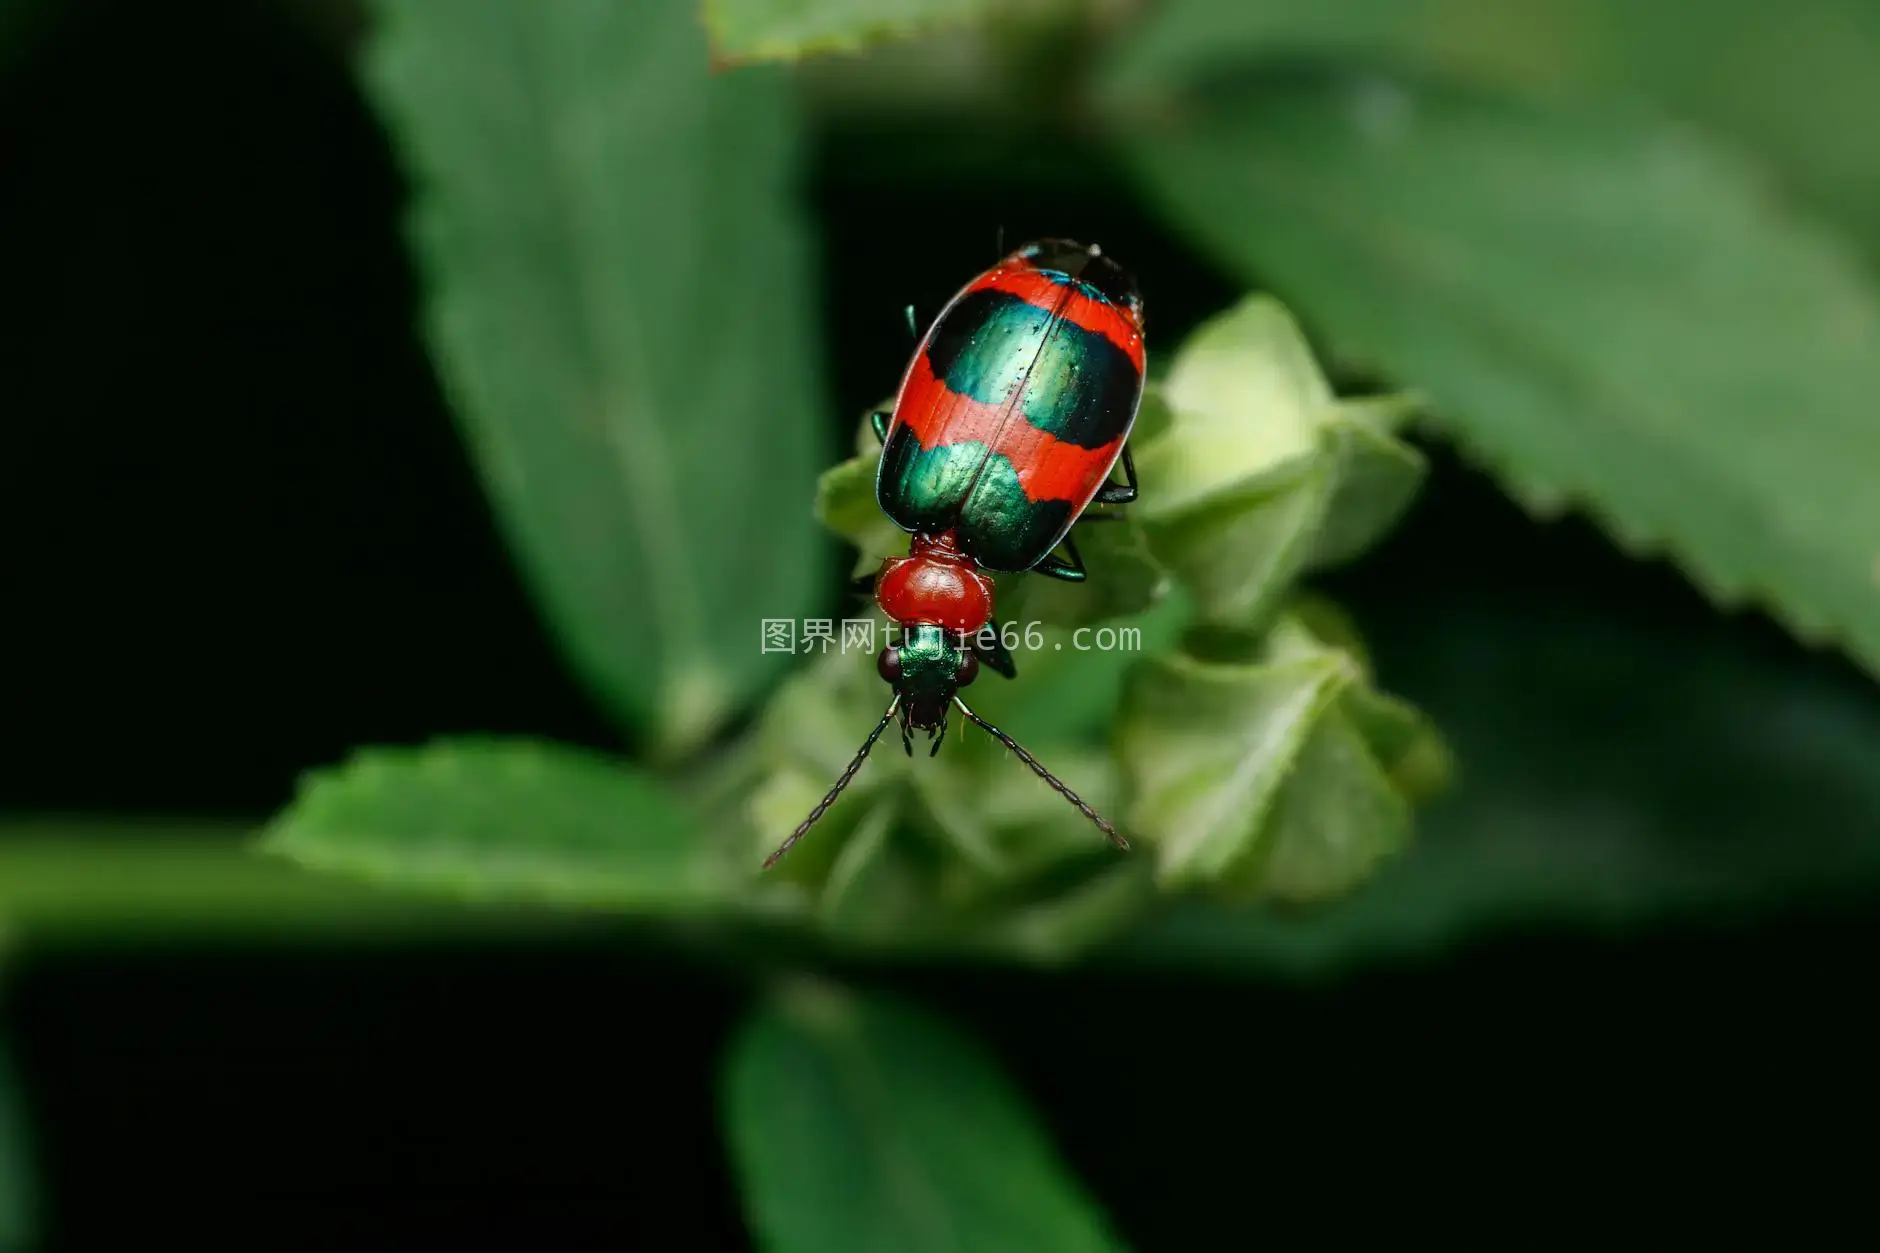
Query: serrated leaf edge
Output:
(858,39)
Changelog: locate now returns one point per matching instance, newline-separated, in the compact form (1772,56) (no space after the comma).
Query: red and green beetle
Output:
(1013,413)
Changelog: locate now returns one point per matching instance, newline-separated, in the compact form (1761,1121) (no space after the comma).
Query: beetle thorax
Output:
(935,583)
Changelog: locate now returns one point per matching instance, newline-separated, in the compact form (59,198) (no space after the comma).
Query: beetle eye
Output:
(968,668)
(889,664)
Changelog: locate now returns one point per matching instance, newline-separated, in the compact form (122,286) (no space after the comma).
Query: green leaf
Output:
(619,304)
(1206,748)
(1238,555)
(1059,929)
(1601,307)
(18,1206)
(1618,772)
(1005,824)
(1402,741)
(786,30)
(883,883)
(1070,678)
(1260,471)
(972,802)
(1337,817)
(871,892)
(846,504)
(1125,580)
(504,820)
(1376,478)
(1798,83)
(804,739)
(867,1124)
(1243,397)
(1267,768)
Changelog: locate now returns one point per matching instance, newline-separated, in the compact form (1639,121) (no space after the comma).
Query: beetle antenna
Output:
(1037,767)
(816,814)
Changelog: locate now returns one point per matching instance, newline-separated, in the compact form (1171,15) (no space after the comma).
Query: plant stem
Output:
(70,881)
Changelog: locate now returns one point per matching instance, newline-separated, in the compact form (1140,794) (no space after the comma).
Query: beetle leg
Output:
(1124,492)
(995,654)
(879,422)
(1055,567)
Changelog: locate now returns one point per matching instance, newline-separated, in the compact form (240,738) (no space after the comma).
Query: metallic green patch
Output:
(930,490)
(1078,384)
(922,489)
(930,659)
(986,343)
(1003,530)
(1082,389)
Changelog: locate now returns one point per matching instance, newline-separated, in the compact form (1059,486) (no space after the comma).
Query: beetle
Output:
(1012,414)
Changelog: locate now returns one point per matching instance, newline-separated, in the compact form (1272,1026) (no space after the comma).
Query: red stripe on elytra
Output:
(1048,468)
(1099,317)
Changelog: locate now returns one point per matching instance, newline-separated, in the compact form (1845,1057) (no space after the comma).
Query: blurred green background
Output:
(1627,256)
